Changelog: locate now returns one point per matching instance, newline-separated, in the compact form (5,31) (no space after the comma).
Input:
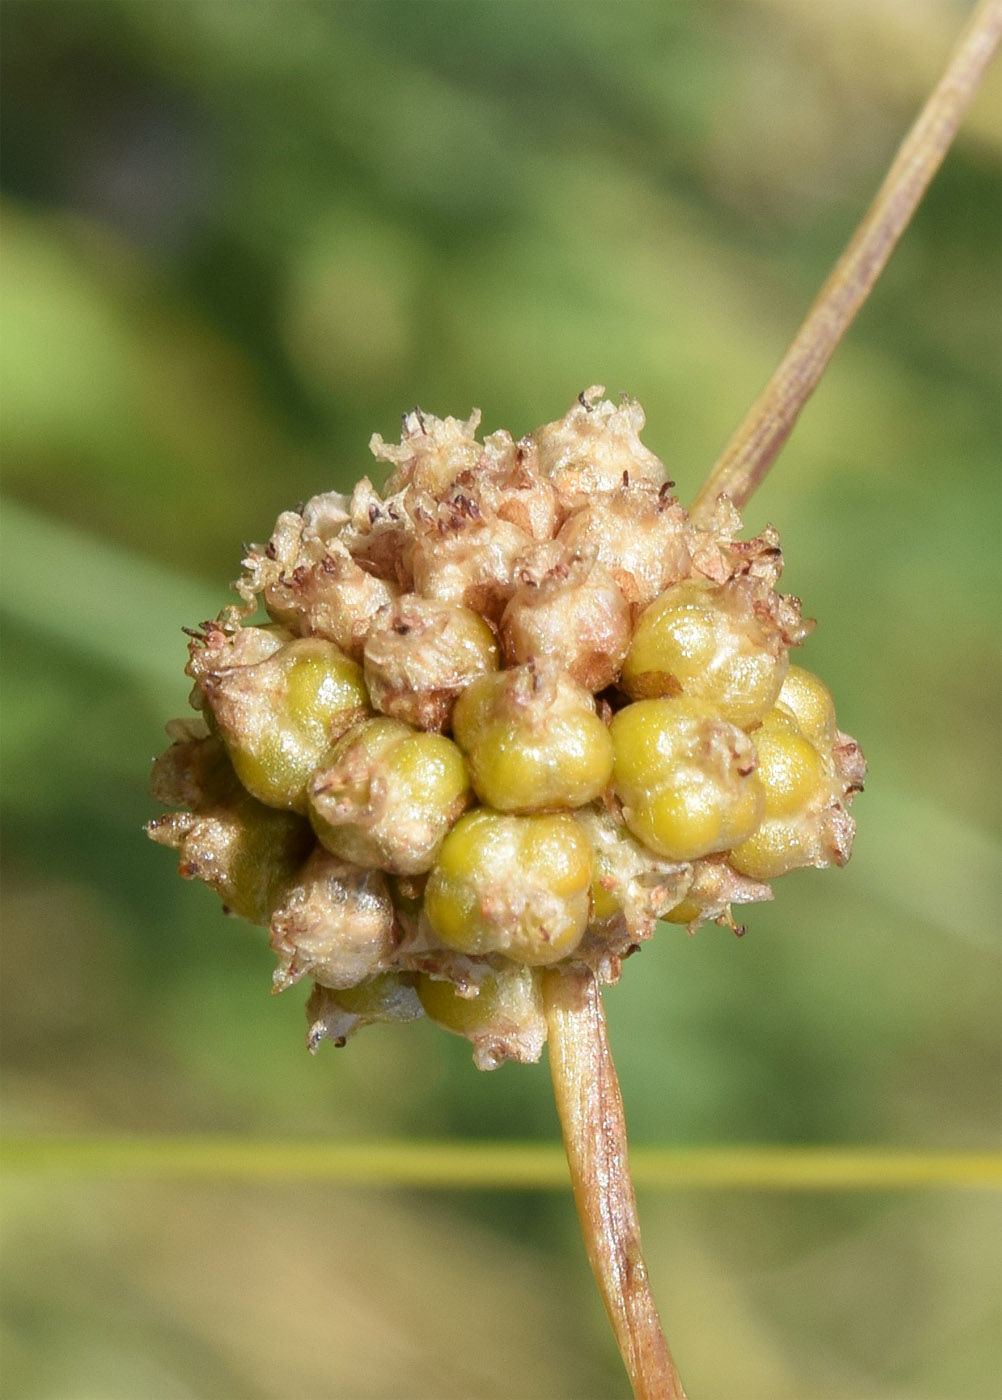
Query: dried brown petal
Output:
(714,888)
(432,451)
(194,772)
(572,613)
(421,654)
(380,536)
(470,561)
(315,588)
(595,447)
(220,646)
(639,533)
(335,925)
(509,485)
(850,765)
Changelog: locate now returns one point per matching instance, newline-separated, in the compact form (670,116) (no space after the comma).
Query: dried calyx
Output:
(506,714)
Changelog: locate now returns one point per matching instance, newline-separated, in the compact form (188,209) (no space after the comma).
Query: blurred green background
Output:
(240,236)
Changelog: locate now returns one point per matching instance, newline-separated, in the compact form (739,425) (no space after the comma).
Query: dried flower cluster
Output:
(505,714)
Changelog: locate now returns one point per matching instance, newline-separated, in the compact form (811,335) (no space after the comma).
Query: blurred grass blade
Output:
(89,594)
(495,1165)
(933,864)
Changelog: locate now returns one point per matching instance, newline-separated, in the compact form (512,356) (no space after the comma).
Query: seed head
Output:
(508,713)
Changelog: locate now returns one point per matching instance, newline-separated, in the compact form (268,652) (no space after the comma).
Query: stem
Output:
(769,421)
(590,1107)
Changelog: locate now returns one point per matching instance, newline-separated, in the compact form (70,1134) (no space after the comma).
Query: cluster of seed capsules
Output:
(502,716)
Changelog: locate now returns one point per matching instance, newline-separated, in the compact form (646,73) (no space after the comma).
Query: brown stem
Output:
(591,1116)
(769,421)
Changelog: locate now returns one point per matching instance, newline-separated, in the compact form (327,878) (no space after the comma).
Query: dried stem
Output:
(591,1115)
(768,423)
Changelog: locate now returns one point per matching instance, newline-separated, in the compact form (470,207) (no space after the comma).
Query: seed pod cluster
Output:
(505,714)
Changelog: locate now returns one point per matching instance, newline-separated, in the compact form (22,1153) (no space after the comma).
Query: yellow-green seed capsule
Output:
(776,848)
(707,642)
(505,1020)
(247,852)
(513,885)
(533,740)
(685,777)
(384,998)
(336,1014)
(791,770)
(799,788)
(280,718)
(811,703)
(389,796)
(687,911)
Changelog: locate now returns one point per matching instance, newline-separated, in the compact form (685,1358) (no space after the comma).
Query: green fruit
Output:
(798,787)
(384,998)
(707,643)
(280,718)
(533,740)
(513,885)
(247,852)
(811,703)
(504,1020)
(389,796)
(685,777)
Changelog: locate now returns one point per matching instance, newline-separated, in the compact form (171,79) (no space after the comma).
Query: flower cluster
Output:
(504,714)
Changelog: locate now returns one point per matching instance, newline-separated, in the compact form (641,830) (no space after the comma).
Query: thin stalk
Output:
(590,1107)
(756,443)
